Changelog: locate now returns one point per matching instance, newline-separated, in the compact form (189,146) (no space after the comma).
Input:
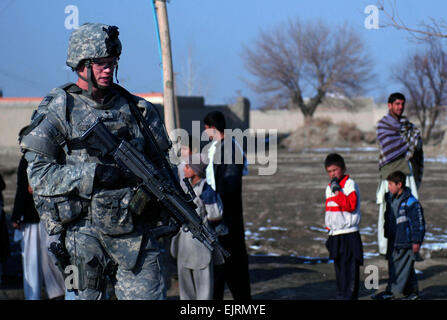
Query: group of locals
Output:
(401,223)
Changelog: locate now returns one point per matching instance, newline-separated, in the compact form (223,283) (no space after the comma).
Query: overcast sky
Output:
(34,37)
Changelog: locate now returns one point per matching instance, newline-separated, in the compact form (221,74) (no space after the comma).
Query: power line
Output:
(21,79)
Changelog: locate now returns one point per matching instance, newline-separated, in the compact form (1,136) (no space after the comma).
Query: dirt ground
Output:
(285,236)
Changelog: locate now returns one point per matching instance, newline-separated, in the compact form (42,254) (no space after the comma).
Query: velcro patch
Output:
(46,101)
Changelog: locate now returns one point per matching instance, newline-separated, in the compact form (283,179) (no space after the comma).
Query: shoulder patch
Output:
(46,101)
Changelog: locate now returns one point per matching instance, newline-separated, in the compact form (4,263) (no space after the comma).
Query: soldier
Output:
(84,196)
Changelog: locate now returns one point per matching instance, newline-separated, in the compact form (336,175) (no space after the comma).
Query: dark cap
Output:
(198,165)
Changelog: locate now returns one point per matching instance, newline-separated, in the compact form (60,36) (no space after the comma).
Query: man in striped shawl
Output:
(400,146)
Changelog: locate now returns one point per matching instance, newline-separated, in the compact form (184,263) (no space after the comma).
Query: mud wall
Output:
(365,116)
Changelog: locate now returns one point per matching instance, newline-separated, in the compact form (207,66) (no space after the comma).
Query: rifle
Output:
(179,205)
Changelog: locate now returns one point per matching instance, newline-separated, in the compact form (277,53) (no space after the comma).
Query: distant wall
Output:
(365,115)
(16,113)
(191,109)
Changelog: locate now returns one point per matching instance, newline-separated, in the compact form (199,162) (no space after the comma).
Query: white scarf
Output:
(210,168)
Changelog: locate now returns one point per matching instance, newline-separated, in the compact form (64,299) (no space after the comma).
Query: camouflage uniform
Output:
(101,231)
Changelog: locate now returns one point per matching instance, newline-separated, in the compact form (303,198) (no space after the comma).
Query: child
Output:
(188,147)
(404,229)
(194,261)
(342,220)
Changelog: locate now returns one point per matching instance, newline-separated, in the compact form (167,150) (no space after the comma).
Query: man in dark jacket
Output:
(224,174)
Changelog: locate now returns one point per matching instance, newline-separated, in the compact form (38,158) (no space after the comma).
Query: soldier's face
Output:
(396,108)
(103,70)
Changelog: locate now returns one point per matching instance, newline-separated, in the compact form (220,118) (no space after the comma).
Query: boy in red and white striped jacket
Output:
(342,219)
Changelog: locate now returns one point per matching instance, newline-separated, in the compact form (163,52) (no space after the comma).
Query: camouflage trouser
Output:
(143,282)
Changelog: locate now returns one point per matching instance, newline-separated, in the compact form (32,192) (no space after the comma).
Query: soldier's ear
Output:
(80,67)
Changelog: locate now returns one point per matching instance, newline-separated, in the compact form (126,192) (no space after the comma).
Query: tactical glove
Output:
(58,250)
(106,176)
(335,186)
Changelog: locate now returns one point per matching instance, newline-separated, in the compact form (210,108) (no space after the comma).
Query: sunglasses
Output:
(103,64)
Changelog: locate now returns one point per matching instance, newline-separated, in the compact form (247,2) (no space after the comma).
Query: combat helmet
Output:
(92,41)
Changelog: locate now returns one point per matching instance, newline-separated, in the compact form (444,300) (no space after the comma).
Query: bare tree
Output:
(193,79)
(424,31)
(424,76)
(189,74)
(307,58)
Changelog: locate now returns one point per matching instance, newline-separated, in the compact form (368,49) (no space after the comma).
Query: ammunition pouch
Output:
(139,201)
(57,212)
(91,275)
(110,211)
(146,209)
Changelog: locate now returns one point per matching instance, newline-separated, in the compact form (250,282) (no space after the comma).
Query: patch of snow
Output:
(441,159)
(434,246)
(270,254)
(368,231)
(272,228)
(318,229)
(369,255)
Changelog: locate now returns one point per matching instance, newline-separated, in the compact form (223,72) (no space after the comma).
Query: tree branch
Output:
(435,29)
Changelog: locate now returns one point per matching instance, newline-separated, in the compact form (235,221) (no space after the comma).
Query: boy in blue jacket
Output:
(405,230)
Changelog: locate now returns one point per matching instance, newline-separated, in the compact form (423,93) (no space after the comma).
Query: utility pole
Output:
(169,97)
